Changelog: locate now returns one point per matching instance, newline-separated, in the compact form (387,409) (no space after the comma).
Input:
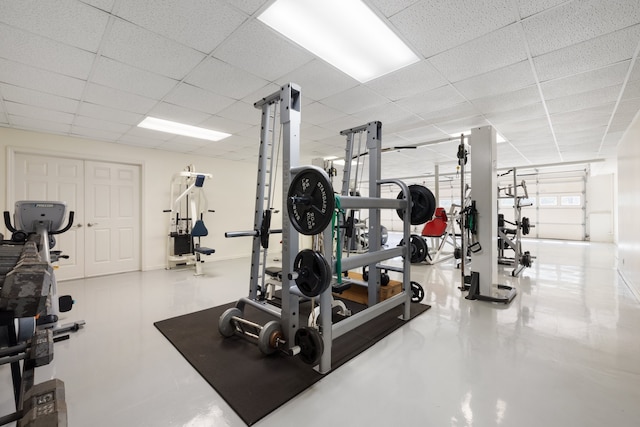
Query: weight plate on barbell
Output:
(311,345)
(310,201)
(314,272)
(269,335)
(526,226)
(226,327)
(423,204)
(418,249)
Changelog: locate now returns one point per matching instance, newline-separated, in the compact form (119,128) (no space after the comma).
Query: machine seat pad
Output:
(275,272)
(204,251)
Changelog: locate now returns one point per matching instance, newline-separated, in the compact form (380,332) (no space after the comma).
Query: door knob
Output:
(78,225)
(91,224)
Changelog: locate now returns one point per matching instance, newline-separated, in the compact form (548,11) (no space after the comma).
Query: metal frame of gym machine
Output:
(481,284)
(289,100)
(376,253)
(520,260)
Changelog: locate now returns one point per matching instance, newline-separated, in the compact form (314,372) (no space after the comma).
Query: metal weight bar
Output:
(249,233)
(269,336)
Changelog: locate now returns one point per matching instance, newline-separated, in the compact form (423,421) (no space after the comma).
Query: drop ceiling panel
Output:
(224,125)
(423,134)
(40,80)
(355,99)
(434,100)
(257,49)
(114,98)
(39,124)
(531,7)
(192,97)
(265,91)
(518,114)
(456,127)
(464,109)
(94,133)
(38,99)
(105,5)
(142,133)
(139,141)
(632,90)
(30,49)
(150,52)
(583,100)
(318,80)
(584,82)
(34,112)
(93,123)
(577,21)
(588,55)
(487,53)
(224,79)
(109,114)
(391,7)
(241,111)
(507,79)
(67,21)
(248,6)
(203,25)
(428,25)
(130,79)
(416,78)
(508,101)
(388,114)
(317,113)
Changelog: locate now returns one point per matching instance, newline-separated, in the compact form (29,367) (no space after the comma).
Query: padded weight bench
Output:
(199,230)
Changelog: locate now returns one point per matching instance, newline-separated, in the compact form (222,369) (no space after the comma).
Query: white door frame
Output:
(10,185)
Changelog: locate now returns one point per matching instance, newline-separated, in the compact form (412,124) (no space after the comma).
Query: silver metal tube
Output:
(364,316)
(360,260)
(349,202)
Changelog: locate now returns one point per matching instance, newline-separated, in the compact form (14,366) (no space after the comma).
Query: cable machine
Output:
(186,221)
(511,237)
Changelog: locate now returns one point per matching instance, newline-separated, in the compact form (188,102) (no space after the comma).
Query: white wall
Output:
(231,191)
(629,206)
(600,208)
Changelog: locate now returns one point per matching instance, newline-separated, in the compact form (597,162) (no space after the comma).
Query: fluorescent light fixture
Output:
(345,33)
(182,129)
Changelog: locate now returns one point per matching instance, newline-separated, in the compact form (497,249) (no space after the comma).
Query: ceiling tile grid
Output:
(577,21)
(435,26)
(67,21)
(202,24)
(540,71)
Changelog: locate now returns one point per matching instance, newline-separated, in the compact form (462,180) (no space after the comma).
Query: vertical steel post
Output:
(374,145)
(290,118)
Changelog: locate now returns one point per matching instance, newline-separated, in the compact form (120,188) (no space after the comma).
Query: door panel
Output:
(106,200)
(112,194)
(56,178)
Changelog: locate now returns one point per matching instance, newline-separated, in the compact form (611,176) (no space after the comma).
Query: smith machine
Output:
(308,209)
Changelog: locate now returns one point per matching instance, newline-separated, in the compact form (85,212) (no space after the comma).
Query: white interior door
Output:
(112,201)
(105,197)
(56,178)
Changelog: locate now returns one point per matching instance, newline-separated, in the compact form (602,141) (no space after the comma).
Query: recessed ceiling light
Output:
(182,129)
(345,33)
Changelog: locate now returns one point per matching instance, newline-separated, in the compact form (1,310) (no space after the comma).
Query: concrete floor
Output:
(565,352)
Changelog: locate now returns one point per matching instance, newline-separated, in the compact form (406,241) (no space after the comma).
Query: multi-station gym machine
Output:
(309,208)
(186,223)
(479,218)
(510,232)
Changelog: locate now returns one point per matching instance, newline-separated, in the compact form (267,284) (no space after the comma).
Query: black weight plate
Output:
(417,292)
(310,201)
(311,345)
(314,273)
(423,204)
